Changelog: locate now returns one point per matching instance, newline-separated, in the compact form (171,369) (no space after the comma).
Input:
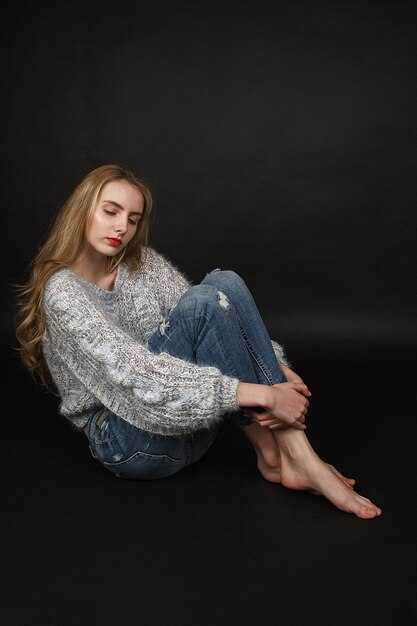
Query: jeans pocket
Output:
(144,466)
(119,447)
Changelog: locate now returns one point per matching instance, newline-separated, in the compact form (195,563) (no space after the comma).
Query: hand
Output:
(280,406)
(288,406)
(290,376)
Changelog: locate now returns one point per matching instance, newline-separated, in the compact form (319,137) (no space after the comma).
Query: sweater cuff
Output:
(227,395)
(280,354)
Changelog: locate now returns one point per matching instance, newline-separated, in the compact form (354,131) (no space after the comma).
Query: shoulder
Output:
(61,289)
(159,272)
(151,256)
(58,281)
(155,261)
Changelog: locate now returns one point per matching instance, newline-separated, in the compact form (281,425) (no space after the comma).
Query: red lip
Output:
(114,242)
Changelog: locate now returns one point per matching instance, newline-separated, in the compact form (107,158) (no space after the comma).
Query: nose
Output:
(121,227)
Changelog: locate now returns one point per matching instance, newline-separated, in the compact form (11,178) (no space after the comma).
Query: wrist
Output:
(252,394)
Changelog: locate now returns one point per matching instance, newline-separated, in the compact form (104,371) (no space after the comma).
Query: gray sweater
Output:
(95,346)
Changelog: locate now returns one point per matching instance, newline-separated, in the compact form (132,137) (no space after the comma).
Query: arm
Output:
(165,280)
(160,393)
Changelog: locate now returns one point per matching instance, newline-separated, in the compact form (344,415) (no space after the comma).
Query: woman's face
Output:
(116,215)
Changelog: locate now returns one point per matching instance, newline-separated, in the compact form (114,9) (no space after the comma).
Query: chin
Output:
(109,250)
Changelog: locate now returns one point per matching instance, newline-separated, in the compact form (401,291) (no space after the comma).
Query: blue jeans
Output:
(214,323)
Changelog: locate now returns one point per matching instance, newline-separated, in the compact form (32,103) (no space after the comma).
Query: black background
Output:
(280,140)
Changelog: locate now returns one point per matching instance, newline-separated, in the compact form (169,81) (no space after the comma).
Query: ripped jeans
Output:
(214,323)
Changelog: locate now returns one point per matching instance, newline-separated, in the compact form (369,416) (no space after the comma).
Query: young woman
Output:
(149,366)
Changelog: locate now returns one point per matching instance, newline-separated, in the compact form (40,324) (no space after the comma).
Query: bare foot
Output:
(269,465)
(349,481)
(267,451)
(268,455)
(301,468)
(270,471)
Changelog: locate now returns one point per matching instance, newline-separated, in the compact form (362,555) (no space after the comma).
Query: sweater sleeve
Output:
(165,280)
(280,353)
(158,393)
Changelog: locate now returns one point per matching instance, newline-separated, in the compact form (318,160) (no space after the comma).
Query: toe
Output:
(366,512)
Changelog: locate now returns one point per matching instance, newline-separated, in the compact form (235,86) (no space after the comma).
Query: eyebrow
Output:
(119,206)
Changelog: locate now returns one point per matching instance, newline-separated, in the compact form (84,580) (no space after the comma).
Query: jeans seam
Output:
(259,362)
(158,457)
(255,355)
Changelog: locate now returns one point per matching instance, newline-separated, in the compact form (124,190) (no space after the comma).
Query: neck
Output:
(92,267)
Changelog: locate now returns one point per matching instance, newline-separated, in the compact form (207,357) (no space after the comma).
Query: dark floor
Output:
(216,544)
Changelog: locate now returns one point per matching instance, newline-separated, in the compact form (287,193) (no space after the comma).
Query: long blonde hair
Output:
(66,244)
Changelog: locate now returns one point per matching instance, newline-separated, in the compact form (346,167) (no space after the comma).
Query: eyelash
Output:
(111,213)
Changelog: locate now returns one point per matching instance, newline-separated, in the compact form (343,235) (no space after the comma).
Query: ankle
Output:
(293,443)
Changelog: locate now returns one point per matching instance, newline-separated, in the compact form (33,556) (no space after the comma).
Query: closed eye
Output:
(114,213)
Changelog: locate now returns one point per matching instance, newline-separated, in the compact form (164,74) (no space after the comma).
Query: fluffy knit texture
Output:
(95,346)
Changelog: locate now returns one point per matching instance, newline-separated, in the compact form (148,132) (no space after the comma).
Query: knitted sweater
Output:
(95,346)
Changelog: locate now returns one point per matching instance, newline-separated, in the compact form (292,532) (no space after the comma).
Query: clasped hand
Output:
(288,407)
(286,404)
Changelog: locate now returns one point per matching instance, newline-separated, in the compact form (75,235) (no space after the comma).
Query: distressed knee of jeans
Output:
(217,269)
(164,326)
(223,300)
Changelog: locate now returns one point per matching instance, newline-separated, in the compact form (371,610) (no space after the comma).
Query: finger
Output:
(270,422)
(293,378)
(262,417)
(274,425)
(298,415)
(302,388)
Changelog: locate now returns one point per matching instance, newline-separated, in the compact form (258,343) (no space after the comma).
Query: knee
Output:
(205,300)
(227,281)
(225,277)
(198,297)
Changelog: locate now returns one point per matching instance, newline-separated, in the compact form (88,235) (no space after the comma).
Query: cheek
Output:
(98,224)
(95,230)
(132,234)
